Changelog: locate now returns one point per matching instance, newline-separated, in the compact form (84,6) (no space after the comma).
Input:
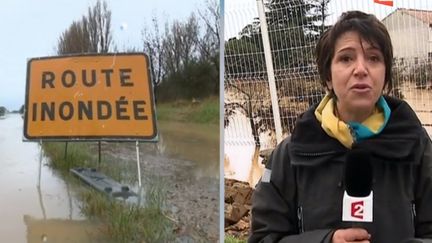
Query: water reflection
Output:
(25,208)
(41,203)
(60,230)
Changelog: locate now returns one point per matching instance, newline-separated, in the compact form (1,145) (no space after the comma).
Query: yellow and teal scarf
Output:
(348,133)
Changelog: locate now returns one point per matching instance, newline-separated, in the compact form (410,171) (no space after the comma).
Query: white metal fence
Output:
(293,28)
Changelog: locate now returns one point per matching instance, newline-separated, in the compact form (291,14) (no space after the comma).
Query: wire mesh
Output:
(293,29)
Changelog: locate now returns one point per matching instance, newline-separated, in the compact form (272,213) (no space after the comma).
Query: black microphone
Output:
(358,197)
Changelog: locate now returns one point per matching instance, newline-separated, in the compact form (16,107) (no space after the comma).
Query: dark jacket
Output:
(302,200)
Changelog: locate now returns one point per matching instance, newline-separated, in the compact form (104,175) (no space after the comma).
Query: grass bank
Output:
(232,239)
(196,111)
(122,222)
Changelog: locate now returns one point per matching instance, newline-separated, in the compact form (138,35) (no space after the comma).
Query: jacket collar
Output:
(397,142)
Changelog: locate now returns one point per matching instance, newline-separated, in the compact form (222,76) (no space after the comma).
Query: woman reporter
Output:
(299,197)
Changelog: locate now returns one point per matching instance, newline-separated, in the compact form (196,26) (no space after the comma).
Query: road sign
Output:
(93,97)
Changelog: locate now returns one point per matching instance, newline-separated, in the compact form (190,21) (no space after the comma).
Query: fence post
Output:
(270,70)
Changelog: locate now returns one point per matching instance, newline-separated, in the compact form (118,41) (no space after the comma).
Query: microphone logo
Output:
(357,209)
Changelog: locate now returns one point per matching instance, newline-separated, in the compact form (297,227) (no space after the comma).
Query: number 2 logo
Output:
(357,209)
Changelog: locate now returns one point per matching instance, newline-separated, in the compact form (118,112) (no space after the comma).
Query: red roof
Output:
(423,15)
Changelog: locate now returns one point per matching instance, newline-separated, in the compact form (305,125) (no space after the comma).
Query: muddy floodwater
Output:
(187,156)
(197,143)
(49,213)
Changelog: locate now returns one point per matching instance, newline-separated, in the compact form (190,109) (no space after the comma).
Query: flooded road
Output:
(197,143)
(187,156)
(50,214)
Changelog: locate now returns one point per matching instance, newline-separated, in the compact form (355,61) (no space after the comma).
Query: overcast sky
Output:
(239,13)
(31,28)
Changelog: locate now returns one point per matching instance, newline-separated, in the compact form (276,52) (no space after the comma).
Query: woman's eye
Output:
(374,58)
(345,58)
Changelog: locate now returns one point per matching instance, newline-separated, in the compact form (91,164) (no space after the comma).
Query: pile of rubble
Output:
(238,200)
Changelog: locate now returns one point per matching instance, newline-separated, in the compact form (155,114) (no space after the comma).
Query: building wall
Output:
(410,36)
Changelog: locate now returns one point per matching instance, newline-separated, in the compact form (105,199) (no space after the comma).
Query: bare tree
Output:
(210,41)
(184,55)
(99,27)
(75,39)
(153,47)
(91,34)
(180,44)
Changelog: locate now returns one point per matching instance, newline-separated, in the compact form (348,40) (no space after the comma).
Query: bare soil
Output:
(192,198)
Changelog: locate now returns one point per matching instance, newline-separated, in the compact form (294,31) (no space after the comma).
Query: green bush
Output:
(196,80)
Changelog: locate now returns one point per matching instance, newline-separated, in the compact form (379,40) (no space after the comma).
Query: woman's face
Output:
(358,73)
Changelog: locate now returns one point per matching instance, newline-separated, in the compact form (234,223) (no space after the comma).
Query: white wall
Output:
(410,36)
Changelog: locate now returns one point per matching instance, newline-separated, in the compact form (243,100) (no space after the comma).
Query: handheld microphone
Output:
(358,197)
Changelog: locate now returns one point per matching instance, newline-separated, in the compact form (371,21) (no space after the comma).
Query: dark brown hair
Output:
(369,28)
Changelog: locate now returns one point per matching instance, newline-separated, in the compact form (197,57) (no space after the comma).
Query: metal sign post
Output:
(99,154)
(65,150)
(40,163)
(138,164)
